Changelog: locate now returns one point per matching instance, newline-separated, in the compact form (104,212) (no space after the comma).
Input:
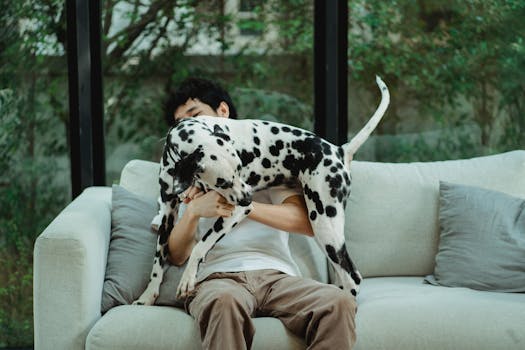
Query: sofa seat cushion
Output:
(406,313)
(129,327)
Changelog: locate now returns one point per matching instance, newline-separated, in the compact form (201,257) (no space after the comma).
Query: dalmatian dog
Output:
(238,157)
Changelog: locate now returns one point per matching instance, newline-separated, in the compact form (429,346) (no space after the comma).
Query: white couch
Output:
(392,232)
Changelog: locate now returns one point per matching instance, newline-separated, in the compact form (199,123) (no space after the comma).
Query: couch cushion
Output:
(392,215)
(404,313)
(131,251)
(482,241)
(155,327)
(141,177)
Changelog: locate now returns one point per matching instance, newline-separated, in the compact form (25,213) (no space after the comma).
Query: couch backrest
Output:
(392,224)
(392,214)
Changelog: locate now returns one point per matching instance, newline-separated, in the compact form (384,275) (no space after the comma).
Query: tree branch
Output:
(133,31)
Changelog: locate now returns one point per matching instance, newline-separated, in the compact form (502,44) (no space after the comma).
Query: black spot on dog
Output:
(276,148)
(340,153)
(213,157)
(256,140)
(330,211)
(335,183)
(246,157)
(183,135)
(218,224)
(219,132)
(266,163)
(220,142)
(327,162)
(330,250)
(286,129)
(163,191)
(309,154)
(205,237)
(274,130)
(223,183)
(313,215)
(297,132)
(314,197)
(342,258)
(347,178)
(327,149)
(253,179)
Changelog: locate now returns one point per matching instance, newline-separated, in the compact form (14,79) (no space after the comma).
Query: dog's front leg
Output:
(221,227)
(169,213)
(157,273)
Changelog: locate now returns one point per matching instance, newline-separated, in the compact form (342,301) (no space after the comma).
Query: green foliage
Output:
(445,52)
(30,196)
(32,113)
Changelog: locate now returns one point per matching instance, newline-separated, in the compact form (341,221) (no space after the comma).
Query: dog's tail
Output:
(351,147)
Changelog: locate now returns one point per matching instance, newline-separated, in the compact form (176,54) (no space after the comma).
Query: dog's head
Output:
(200,154)
(177,168)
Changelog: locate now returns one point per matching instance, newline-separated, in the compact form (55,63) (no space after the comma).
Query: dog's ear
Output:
(187,167)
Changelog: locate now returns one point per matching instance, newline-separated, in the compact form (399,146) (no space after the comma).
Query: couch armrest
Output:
(69,266)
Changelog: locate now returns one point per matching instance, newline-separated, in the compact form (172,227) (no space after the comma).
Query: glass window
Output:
(455,70)
(261,52)
(34,156)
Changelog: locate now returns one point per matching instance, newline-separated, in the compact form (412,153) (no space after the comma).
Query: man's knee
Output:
(224,303)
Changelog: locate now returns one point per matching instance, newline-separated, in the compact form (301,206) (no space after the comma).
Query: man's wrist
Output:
(190,212)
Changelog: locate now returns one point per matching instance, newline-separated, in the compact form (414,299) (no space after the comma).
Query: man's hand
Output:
(207,204)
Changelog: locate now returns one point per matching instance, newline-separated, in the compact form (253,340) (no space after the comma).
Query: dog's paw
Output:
(186,285)
(188,280)
(147,298)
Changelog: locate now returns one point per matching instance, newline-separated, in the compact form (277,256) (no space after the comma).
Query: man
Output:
(250,272)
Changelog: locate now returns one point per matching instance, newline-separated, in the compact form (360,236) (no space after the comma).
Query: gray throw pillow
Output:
(131,252)
(482,240)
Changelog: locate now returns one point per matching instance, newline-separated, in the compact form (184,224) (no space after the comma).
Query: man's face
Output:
(194,107)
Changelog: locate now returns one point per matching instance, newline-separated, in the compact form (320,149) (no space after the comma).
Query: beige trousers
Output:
(224,303)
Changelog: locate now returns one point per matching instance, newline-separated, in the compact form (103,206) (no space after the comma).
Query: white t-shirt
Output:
(250,245)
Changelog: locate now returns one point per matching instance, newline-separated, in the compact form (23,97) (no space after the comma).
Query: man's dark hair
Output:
(205,90)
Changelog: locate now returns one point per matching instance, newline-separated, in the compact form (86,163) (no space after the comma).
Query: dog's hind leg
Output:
(328,225)
(221,227)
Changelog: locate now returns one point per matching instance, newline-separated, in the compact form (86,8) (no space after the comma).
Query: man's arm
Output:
(182,238)
(291,215)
